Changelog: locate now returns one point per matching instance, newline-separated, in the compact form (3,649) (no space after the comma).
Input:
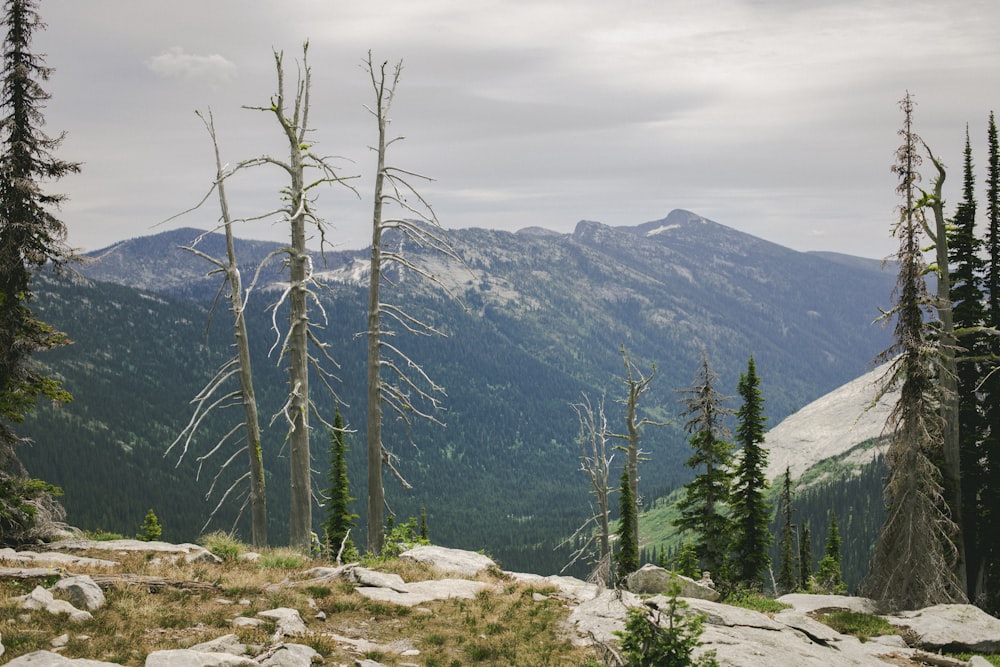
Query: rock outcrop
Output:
(653,580)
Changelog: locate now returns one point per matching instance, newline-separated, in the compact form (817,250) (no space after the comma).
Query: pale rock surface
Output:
(42,599)
(375,579)
(192,553)
(51,559)
(293,655)
(81,591)
(976,661)
(652,580)
(50,659)
(230,644)
(189,658)
(290,624)
(60,641)
(807,602)
(600,617)
(450,561)
(421,592)
(952,625)
(569,587)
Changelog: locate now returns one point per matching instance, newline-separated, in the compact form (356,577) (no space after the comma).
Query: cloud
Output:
(175,63)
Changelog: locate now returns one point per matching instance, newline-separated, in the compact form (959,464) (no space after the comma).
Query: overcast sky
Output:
(775,117)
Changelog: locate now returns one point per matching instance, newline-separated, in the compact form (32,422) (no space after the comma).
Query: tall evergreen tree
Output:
(787,567)
(751,512)
(628,547)
(990,500)
(829,575)
(969,315)
(339,518)
(805,556)
(703,509)
(912,565)
(30,237)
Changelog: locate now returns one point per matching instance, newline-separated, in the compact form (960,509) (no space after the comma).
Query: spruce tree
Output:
(990,399)
(787,568)
(628,549)
(704,506)
(969,315)
(751,511)
(30,237)
(805,556)
(339,519)
(828,576)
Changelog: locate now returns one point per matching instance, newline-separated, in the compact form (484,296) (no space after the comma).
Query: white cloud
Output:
(176,63)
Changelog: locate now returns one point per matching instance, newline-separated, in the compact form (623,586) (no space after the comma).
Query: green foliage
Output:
(787,569)
(102,535)
(282,559)
(150,530)
(667,639)
(861,625)
(686,561)
(805,557)
(339,518)
(703,508)
(20,500)
(751,512)
(752,599)
(627,558)
(828,576)
(223,545)
(398,538)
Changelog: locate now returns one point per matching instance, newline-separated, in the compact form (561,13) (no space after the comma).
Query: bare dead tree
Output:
(914,556)
(636,384)
(404,387)
(215,395)
(948,366)
(595,461)
(300,343)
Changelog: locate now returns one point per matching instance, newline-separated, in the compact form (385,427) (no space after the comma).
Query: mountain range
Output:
(539,320)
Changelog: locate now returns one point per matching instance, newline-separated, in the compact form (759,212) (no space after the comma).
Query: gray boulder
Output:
(421,592)
(293,655)
(189,658)
(956,626)
(230,644)
(450,561)
(807,602)
(81,591)
(653,580)
(42,599)
(289,622)
(50,659)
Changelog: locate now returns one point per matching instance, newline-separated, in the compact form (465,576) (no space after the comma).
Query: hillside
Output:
(545,317)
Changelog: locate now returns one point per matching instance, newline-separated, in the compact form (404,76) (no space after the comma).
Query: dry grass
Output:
(503,625)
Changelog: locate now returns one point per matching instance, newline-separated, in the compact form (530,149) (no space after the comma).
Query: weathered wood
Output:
(30,573)
(153,584)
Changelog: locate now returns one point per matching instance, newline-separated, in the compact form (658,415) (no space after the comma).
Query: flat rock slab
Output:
(569,587)
(50,559)
(189,658)
(450,561)
(192,553)
(289,622)
(50,659)
(421,592)
(955,626)
(806,602)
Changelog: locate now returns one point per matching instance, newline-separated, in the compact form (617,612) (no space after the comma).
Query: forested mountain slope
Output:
(545,316)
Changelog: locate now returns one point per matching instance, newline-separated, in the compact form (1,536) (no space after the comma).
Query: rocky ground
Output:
(740,637)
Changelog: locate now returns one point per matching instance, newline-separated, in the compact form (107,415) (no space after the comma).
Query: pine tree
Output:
(990,500)
(787,566)
(423,525)
(751,511)
(339,519)
(828,576)
(706,498)
(912,564)
(969,314)
(628,549)
(150,530)
(805,556)
(30,237)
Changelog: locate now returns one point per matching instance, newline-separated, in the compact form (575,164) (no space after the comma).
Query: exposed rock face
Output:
(81,591)
(189,658)
(958,627)
(43,599)
(289,622)
(450,561)
(192,553)
(50,659)
(653,580)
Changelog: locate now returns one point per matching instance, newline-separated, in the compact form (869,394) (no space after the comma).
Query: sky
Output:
(775,117)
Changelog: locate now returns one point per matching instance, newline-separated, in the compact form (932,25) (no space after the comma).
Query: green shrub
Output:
(150,530)
(861,625)
(223,545)
(656,639)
